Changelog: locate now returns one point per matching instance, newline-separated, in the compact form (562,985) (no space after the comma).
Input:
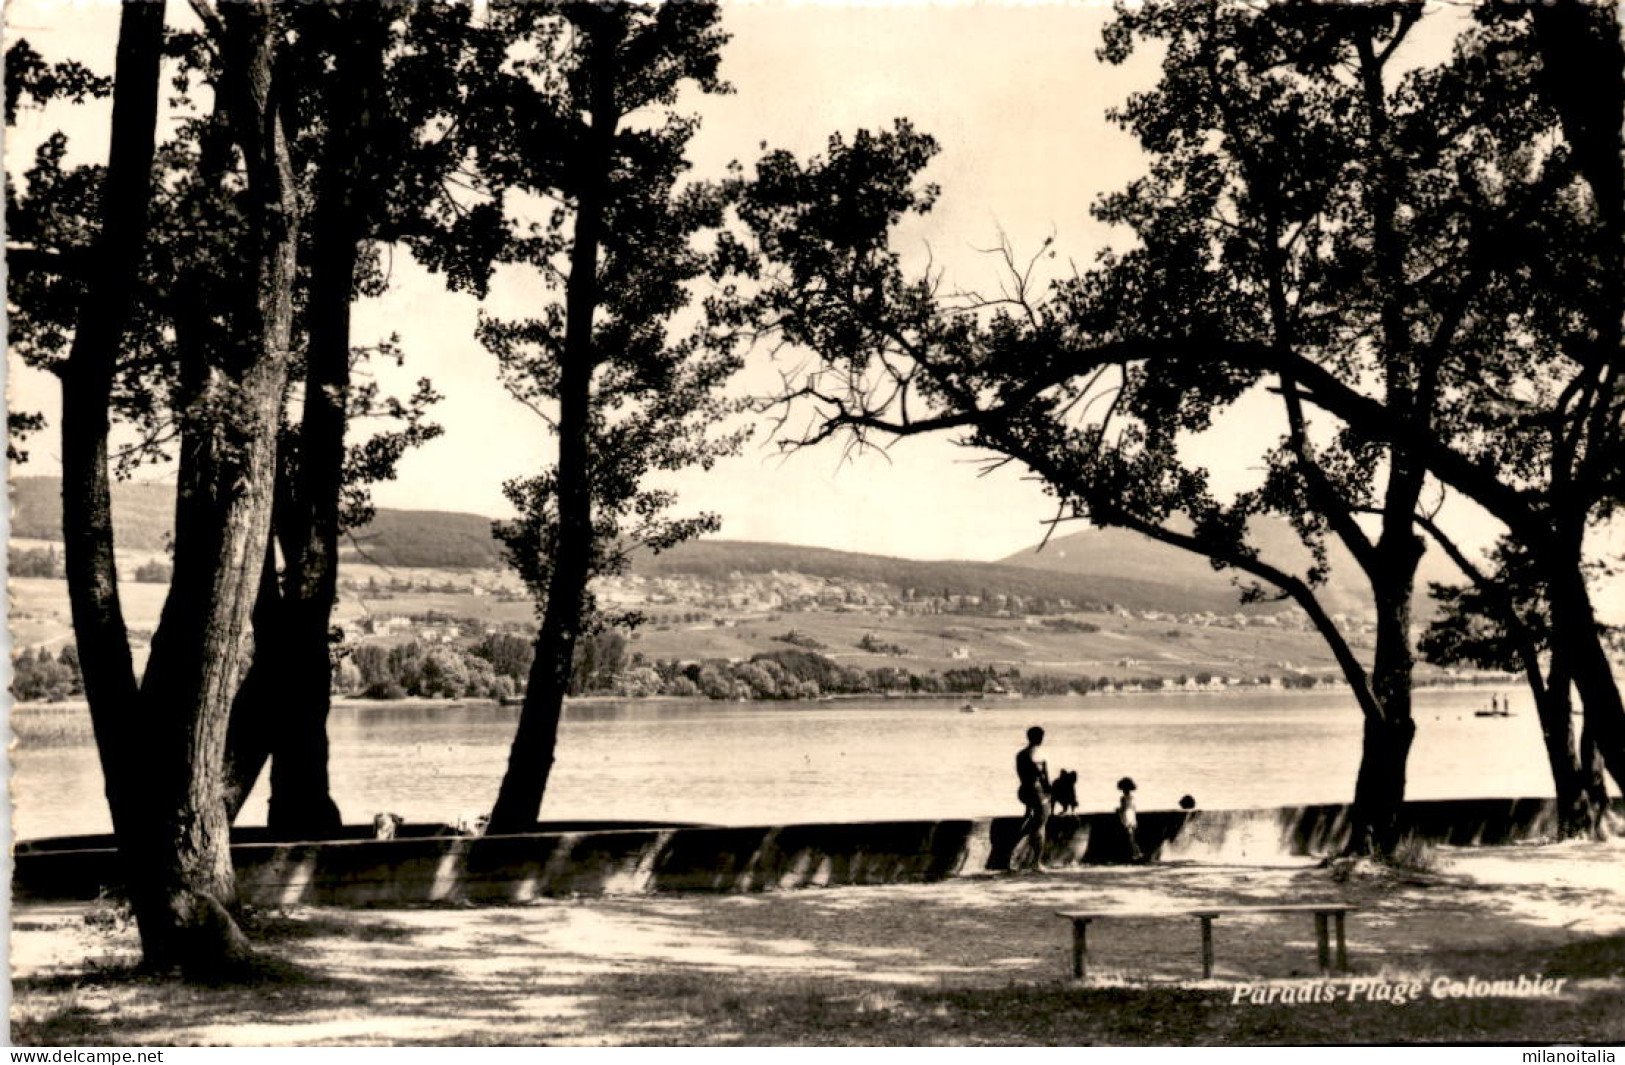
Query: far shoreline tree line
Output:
(1422,267)
(495,668)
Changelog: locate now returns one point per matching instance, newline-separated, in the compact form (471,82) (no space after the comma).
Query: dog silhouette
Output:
(1063,793)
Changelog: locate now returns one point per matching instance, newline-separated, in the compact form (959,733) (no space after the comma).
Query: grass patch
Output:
(698,971)
(273,927)
(1413,862)
(1600,958)
(1412,854)
(684,1009)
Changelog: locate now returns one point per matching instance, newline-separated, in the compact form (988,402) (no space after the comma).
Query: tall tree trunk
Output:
(1591,775)
(87,385)
(1574,778)
(200,331)
(1582,62)
(1573,619)
(248,735)
(130,748)
(1574,628)
(192,677)
(530,761)
(292,622)
(226,484)
(222,516)
(1410,381)
(1379,787)
(301,800)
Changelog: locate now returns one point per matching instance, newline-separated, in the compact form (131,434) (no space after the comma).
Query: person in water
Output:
(1032,774)
(1128,818)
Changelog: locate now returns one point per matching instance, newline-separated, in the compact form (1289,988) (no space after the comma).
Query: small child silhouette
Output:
(1128,818)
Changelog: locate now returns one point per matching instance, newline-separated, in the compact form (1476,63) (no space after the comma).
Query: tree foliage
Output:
(581,156)
(1406,258)
(184,293)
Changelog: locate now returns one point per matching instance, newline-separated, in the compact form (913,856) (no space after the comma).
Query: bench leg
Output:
(1080,947)
(1207,948)
(1342,947)
(1322,948)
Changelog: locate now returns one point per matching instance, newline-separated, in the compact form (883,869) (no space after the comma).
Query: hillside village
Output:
(744,620)
(438,633)
(675,598)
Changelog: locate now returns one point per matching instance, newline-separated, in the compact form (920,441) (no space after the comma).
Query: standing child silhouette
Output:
(1128,818)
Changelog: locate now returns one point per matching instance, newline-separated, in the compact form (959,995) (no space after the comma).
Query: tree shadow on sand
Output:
(367,979)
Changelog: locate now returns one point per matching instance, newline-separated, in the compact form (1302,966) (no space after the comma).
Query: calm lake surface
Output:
(754,763)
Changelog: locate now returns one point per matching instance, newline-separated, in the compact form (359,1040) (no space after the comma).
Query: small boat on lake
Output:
(970,708)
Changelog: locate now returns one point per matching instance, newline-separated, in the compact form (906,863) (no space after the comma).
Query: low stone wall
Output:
(1251,835)
(637,858)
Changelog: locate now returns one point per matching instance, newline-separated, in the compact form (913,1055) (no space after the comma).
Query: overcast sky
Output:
(1017,100)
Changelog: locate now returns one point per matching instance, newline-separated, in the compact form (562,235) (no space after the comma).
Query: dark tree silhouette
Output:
(622,396)
(161,742)
(190,319)
(370,175)
(1362,244)
(1500,620)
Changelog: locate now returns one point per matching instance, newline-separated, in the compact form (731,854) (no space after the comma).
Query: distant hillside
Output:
(719,558)
(430,539)
(1105,553)
(143,515)
(1093,568)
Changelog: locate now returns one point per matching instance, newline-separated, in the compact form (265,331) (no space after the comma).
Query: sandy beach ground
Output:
(970,961)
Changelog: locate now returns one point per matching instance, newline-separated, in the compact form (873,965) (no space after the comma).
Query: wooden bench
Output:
(1324,913)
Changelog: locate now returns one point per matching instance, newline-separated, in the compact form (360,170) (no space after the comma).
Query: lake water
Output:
(754,763)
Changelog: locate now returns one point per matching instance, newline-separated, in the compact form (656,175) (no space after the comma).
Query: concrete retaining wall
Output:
(629,859)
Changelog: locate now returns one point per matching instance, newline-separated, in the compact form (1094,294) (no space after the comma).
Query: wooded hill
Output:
(144,516)
(1093,570)
(1118,554)
(1093,591)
